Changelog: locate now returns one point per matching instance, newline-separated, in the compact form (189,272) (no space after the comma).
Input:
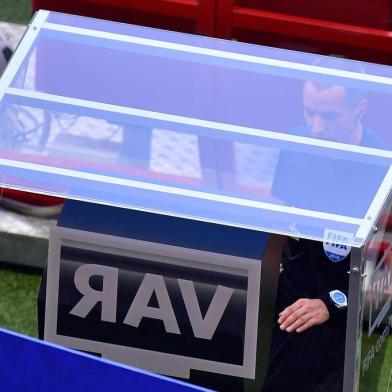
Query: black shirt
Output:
(308,271)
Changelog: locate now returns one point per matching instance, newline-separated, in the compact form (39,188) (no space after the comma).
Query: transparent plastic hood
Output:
(196,127)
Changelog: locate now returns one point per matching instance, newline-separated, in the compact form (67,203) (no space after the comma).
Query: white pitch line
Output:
(389,382)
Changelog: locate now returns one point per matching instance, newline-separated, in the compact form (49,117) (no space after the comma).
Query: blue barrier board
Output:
(28,364)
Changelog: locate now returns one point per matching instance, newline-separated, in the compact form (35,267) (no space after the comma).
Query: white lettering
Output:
(108,295)
(204,328)
(139,308)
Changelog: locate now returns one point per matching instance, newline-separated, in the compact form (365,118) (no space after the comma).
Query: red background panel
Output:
(311,26)
(366,13)
(191,16)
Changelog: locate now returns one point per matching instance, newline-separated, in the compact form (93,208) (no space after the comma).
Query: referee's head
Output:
(333,111)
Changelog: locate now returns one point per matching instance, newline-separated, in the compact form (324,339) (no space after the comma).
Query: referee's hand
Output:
(303,314)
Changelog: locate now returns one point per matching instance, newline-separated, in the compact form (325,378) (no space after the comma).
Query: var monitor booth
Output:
(227,215)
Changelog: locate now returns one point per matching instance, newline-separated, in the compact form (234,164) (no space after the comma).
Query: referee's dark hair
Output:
(353,95)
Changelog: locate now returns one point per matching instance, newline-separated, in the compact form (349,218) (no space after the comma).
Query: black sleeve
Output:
(335,314)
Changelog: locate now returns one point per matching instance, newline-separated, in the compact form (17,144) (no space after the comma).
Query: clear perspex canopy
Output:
(196,127)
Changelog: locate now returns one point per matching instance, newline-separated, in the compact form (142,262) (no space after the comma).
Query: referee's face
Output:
(327,113)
